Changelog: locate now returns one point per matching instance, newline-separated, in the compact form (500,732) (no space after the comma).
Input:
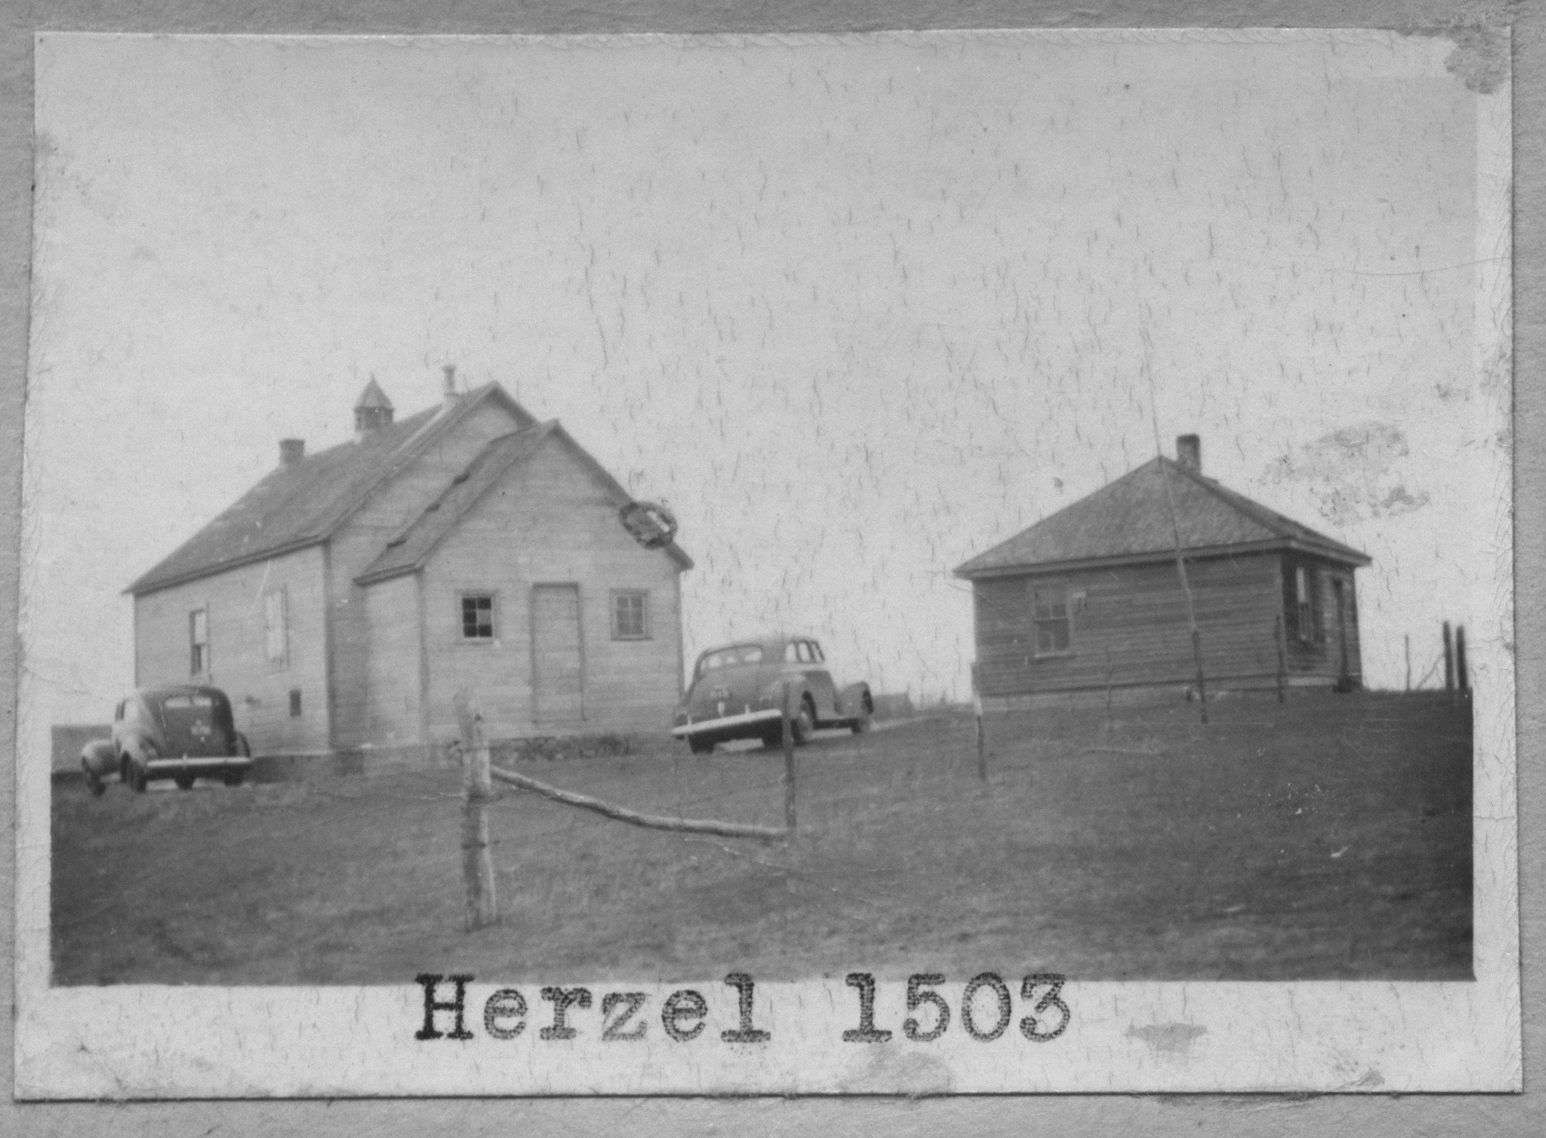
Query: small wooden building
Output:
(344,600)
(1090,597)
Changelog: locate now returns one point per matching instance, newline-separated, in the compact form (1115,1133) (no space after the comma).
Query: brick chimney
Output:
(1189,453)
(291,451)
(451,395)
(373,410)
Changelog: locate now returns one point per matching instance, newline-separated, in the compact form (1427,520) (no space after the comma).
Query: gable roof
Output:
(412,546)
(1129,520)
(304,502)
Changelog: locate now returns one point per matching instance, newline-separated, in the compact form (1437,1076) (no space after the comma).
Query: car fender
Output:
(774,692)
(139,749)
(99,757)
(850,701)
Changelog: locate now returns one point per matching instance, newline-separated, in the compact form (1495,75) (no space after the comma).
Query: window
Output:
(816,656)
(1050,612)
(630,614)
(477,617)
(729,657)
(295,703)
(198,642)
(276,631)
(184,702)
(1307,610)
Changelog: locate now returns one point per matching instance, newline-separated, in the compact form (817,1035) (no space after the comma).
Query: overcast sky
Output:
(856,308)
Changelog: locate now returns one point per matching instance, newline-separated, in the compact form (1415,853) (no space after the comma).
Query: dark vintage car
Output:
(181,733)
(737,693)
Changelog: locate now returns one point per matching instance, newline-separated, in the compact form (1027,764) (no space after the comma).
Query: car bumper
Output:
(723,723)
(211,764)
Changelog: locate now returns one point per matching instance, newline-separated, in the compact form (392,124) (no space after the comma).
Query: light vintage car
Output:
(182,732)
(737,692)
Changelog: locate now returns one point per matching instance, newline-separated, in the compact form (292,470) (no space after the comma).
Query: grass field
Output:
(1328,838)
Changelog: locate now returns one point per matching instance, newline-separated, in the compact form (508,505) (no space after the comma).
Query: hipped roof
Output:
(1129,520)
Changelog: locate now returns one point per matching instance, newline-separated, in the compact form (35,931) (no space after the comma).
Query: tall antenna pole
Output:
(1175,529)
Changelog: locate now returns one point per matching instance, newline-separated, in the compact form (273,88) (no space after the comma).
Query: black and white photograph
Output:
(904,562)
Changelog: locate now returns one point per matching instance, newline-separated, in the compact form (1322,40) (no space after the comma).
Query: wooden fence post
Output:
(1202,690)
(1449,660)
(1281,638)
(1462,680)
(1108,688)
(477,790)
(790,785)
(982,738)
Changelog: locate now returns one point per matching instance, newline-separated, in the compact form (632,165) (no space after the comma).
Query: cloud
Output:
(1353,474)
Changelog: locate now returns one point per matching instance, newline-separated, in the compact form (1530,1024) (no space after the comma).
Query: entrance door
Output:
(557,657)
(1342,667)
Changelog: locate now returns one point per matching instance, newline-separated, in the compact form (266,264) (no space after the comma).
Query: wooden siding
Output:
(1133,620)
(393,673)
(550,521)
(389,510)
(238,657)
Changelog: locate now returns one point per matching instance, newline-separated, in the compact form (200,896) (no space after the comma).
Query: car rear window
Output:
(728,657)
(182,701)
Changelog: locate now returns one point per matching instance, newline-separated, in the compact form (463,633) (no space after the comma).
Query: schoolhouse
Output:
(1090,598)
(344,600)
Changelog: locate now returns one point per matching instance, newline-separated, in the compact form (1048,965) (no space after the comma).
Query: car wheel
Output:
(862,723)
(773,738)
(184,781)
(94,784)
(139,777)
(234,778)
(700,746)
(803,725)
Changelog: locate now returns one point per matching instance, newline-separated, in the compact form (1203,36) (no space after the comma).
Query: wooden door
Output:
(557,655)
(1342,666)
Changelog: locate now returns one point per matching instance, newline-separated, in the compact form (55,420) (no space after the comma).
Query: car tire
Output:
(139,777)
(184,781)
(862,724)
(803,725)
(93,784)
(234,778)
(700,746)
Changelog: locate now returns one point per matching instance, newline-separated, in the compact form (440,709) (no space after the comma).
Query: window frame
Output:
(646,632)
(1038,621)
(465,595)
(198,650)
(1307,607)
(280,662)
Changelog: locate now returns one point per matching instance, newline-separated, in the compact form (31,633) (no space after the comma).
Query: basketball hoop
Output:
(649,523)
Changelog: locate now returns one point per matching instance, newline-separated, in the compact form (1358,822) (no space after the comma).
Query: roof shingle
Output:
(1130,518)
(303,502)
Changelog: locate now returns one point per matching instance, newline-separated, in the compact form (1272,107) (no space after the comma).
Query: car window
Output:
(186,701)
(729,657)
(816,655)
(792,652)
(806,657)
